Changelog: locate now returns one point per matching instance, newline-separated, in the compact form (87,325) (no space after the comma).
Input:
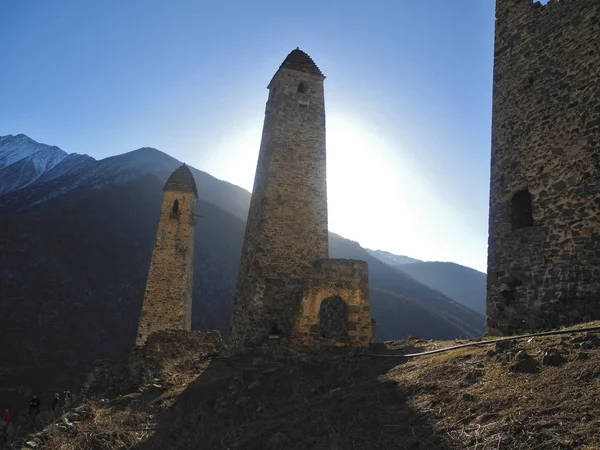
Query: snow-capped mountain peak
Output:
(23,161)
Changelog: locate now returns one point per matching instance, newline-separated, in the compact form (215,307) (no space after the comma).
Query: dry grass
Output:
(477,402)
(463,399)
(99,427)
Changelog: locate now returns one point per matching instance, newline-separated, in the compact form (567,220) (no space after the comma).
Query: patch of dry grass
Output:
(461,399)
(477,402)
(97,426)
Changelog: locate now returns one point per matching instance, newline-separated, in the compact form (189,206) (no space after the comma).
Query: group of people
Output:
(34,406)
(6,425)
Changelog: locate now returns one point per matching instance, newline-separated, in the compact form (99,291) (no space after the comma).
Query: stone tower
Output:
(286,230)
(168,297)
(544,224)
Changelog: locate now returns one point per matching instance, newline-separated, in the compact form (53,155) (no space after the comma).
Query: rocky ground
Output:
(537,393)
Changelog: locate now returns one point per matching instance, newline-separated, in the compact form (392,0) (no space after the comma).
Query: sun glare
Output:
(364,187)
(377,194)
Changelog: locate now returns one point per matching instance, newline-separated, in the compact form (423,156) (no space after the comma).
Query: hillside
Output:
(392,290)
(391,259)
(533,394)
(462,284)
(75,253)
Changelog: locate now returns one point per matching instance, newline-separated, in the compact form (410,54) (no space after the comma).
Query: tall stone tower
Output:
(544,224)
(286,230)
(168,297)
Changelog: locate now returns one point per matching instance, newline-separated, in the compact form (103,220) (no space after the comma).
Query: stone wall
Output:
(544,225)
(159,354)
(335,306)
(168,296)
(286,230)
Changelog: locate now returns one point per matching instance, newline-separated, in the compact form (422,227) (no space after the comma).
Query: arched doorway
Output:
(333,318)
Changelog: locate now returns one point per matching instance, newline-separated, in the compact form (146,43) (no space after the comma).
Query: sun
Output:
(364,188)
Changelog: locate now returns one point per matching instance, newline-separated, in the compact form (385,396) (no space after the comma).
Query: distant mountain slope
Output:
(23,161)
(392,280)
(75,170)
(390,258)
(75,252)
(463,284)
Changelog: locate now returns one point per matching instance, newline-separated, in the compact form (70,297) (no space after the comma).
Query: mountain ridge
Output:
(461,283)
(75,256)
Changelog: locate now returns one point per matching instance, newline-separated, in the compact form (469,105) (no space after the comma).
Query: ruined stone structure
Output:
(286,230)
(334,311)
(159,356)
(168,297)
(544,225)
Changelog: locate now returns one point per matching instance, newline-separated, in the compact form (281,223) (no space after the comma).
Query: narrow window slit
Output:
(521,210)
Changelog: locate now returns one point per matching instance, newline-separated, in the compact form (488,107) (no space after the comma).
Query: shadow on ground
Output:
(327,401)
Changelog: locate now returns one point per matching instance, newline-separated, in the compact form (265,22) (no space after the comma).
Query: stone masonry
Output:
(338,288)
(286,230)
(544,223)
(168,298)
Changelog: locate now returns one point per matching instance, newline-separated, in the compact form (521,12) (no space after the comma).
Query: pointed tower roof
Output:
(181,180)
(298,60)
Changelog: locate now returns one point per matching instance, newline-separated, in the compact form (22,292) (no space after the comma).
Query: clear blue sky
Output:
(408,99)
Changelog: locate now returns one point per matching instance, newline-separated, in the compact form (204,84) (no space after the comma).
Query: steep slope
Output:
(384,277)
(23,161)
(74,170)
(75,251)
(71,164)
(390,258)
(471,398)
(460,283)
(73,273)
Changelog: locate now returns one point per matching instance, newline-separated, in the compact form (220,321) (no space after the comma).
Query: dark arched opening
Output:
(275,331)
(301,88)
(333,318)
(175,209)
(521,210)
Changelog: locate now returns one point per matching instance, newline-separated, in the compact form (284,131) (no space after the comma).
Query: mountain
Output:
(460,283)
(75,172)
(463,284)
(417,309)
(390,258)
(23,161)
(74,257)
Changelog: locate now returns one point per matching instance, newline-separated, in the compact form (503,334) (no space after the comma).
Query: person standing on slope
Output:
(34,409)
(56,401)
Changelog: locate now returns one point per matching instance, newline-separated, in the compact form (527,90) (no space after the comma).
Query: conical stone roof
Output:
(181,180)
(298,60)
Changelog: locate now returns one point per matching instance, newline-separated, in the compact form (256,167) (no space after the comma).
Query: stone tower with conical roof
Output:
(286,230)
(168,297)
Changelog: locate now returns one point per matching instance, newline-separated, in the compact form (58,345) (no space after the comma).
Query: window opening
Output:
(507,289)
(521,210)
(175,209)
(301,88)
(275,330)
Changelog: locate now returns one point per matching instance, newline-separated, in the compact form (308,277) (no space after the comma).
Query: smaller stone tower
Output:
(168,297)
